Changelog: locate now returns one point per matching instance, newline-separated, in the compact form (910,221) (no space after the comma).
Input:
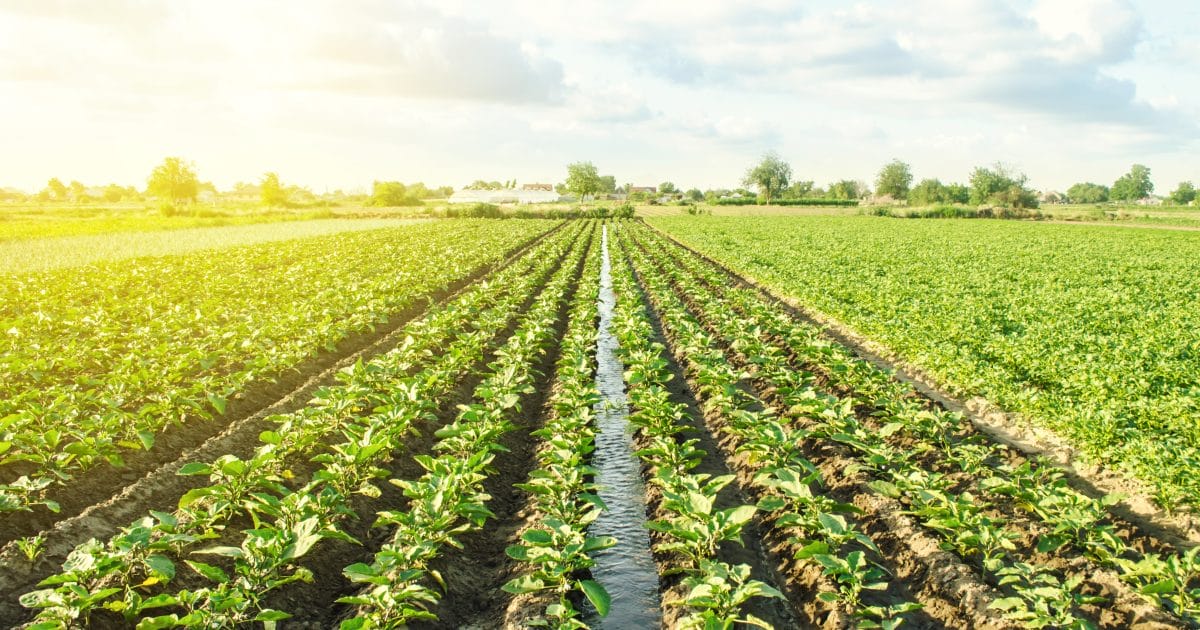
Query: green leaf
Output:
(161,565)
(147,439)
(222,550)
(194,468)
(1160,587)
(537,537)
(214,574)
(597,595)
(269,614)
(885,488)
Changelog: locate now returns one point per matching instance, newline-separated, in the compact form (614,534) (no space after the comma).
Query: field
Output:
(1089,331)
(407,426)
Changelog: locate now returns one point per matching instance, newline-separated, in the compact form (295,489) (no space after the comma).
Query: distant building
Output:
(544,187)
(643,189)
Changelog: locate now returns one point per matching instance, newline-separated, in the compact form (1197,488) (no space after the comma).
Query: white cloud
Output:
(437,89)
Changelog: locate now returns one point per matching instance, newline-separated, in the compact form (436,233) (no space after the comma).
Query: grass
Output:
(42,254)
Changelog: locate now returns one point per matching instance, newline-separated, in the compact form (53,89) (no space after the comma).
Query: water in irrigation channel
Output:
(627,569)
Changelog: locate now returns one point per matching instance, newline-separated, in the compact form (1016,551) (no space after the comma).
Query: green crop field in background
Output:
(1093,331)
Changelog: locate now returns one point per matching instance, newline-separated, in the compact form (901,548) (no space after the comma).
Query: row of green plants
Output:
(691,527)
(820,529)
(556,551)
(753,201)
(98,360)
(1081,330)
(373,408)
(449,500)
(907,429)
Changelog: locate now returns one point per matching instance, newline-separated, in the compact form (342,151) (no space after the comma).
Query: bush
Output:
(623,211)
(476,211)
(808,201)
(944,211)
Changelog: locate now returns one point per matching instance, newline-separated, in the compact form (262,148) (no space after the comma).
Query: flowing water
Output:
(627,569)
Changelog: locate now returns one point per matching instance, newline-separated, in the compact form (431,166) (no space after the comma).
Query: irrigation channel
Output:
(627,569)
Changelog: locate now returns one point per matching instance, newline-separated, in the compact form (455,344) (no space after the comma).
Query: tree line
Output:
(996,185)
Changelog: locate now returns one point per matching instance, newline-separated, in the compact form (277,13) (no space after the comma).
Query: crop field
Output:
(1090,331)
(398,427)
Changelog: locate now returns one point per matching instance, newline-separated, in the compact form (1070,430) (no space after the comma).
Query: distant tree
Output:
(770,176)
(114,193)
(1183,194)
(1087,192)
(608,184)
(957,193)
(174,180)
(479,184)
(78,191)
(1133,185)
(271,191)
(846,189)
(799,189)
(583,179)
(391,194)
(928,191)
(893,180)
(55,190)
(694,194)
(667,188)
(999,186)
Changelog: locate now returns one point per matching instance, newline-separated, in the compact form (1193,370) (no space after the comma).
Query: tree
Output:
(1133,185)
(1183,194)
(390,194)
(78,191)
(271,191)
(1087,192)
(957,193)
(667,188)
(174,180)
(999,186)
(55,190)
(846,189)
(694,194)
(608,184)
(799,190)
(894,179)
(928,191)
(770,176)
(583,179)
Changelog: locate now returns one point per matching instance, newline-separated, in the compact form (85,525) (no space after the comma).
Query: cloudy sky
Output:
(334,94)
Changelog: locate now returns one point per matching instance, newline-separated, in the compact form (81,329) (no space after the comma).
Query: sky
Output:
(335,94)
